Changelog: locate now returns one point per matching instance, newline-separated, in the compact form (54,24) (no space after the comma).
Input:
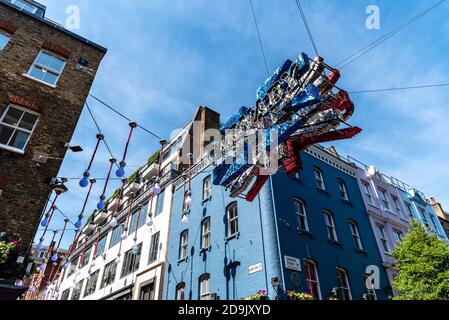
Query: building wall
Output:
(59,108)
(422,211)
(442,215)
(393,218)
(268,233)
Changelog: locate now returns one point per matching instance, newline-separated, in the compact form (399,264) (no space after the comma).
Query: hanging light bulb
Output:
(43,267)
(79,223)
(189,200)
(40,245)
(124,235)
(32,289)
(66,265)
(118,260)
(19,283)
(54,257)
(45,222)
(101,205)
(185,219)
(149,222)
(157,189)
(121,170)
(113,222)
(84,182)
(135,248)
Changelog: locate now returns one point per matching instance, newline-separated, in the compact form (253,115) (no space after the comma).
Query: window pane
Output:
(5,134)
(50,77)
(37,73)
(28,121)
(44,59)
(57,64)
(19,139)
(4,39)
(12,117)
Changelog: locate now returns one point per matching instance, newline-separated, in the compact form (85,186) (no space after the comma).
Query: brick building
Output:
(47,72)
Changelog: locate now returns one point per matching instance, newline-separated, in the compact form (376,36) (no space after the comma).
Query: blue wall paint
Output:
(262,240)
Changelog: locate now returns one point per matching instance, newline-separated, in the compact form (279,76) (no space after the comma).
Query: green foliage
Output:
(302,296)
(153,158)
(423,263)
(6,248)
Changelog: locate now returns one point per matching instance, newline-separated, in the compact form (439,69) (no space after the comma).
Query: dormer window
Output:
(25,6)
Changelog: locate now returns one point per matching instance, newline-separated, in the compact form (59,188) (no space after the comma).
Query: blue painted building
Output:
(420,209)
(310,233)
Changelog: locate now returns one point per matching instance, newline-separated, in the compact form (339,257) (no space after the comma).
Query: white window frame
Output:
(319,178)
(355,235)
(22,5)
(184,245)
(384,197)
(35,64)
(330,225)
(368,192)
(13,149)
(232,220)
(207,188)
(205,287)
(308,278)
(343,190)
(344,287)
(6,34)
(383,239)
(205,233)
(301,216)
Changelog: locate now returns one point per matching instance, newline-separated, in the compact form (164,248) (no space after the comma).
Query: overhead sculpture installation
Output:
(296,108)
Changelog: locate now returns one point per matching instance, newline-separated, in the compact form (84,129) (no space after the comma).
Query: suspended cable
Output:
(306,24)
(401,88)
(124,117)
(84,182)
(260,38)
(121,170)
(356,55)
(99,129)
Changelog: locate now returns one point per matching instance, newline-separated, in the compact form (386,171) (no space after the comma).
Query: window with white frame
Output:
(16,127)
(233,219)
(343,282)
(205,287)
(397,207)
(205,233)
(319,178)
(47,68)
(4,39)
(383,238)
(330,225)
(180,291)
(355,235)
(301,214)
(207,188)
(313,282)
(24,5)
(368,192)
(384,197)
(343,190)
(183,244)
(398,236)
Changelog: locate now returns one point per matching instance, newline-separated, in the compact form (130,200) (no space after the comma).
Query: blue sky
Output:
(166,58)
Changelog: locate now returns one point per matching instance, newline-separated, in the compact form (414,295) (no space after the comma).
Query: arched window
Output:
(343,283)
(319,178)
(301,214)
(183,244)
(330,225)
(205,287)
(313,282)
(180,291)
(232,219)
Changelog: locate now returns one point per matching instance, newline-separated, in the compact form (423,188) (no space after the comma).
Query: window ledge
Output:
(323,191)
(15,150)
(361,251)
(204,250)
(335,243)
(234,236)
(306,233)
(26,75)
(183,260)
(206,200)
(348,202)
